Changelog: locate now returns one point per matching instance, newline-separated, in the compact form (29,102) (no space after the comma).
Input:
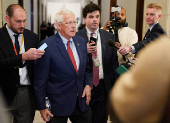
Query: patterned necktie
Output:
(70,53)
(147,33)
(95,78)
(17,47)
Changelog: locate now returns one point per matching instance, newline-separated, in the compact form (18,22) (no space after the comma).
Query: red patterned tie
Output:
(70,53)
(95,69)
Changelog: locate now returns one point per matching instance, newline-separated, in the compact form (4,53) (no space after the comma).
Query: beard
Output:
(123,21)
(18,30)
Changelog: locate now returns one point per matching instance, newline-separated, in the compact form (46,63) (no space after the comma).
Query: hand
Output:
(44,114)
(106,25)
(87,93)
(117,44)
(90,48)
(32,54)
(124,50)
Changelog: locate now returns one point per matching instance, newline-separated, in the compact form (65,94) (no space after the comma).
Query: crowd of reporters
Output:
(76,70)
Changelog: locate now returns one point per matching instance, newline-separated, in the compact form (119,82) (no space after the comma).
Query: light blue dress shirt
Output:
(73,48)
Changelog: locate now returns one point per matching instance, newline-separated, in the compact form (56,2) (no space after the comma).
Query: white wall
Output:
(28,12)
(105,14)
(35,10)
(130,7)
(5,4)
(0,13)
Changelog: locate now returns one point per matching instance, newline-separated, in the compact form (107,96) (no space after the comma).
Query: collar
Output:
(64,39)
(11,33)
(152,26)
(95,33)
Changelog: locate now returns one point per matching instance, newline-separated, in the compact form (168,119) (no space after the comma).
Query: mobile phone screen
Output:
(43,46)
(93,39)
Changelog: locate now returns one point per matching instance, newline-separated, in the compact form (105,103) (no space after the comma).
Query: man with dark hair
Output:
(103,61)
(153,14)
(126,35)
(17,52)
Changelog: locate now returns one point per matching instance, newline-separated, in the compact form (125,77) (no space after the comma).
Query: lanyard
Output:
(20,47)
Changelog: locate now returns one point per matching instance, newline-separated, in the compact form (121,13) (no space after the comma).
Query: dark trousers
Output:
(76,117)
(22,109)
(98,104)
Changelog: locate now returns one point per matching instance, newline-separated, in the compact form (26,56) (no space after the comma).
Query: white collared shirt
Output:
(99,49)
(24,79)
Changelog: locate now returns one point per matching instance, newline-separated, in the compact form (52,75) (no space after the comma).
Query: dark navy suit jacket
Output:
(156,31)
(56,78)
(109,57)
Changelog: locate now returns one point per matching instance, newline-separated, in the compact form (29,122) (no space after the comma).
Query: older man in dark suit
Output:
(63,74)
(153,14)
(17,50)
(104,71)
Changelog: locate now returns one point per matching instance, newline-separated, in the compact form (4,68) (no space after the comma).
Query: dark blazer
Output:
(156,31)
(9,75)
(56,78)
(109,57)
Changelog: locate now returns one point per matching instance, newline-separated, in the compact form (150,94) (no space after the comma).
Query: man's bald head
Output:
(11,8)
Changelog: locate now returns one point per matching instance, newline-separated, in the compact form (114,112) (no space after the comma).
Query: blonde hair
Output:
(156,6)
(59,16)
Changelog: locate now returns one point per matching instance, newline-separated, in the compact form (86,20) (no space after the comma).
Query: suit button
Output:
(16,85)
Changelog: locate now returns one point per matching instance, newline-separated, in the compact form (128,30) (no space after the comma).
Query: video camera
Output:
(115,24)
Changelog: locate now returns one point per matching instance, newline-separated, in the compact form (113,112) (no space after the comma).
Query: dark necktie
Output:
(147,33)
(17,47)
(71,56)
(95,78)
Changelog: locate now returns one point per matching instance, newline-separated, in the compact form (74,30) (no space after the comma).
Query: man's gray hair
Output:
(59,16)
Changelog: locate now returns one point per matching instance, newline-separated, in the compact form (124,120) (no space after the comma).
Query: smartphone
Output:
(43,46)
(93,39)
(122,69)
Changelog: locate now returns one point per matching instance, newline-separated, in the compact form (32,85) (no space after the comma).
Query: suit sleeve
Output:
(152,36)
(41,73)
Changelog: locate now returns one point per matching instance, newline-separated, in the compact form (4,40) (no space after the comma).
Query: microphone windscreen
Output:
(111,43)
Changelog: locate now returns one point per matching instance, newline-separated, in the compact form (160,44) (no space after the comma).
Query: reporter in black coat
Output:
(16,65)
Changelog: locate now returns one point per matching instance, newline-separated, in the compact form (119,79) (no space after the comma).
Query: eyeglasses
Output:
(71,22)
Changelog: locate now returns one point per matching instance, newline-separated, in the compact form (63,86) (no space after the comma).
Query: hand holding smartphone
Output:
(93,39)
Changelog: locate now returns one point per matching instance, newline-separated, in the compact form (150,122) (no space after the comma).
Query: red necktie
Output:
(70,53)
(95,69)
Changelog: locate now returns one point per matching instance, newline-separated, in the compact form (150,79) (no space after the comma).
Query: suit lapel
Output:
(7,41)
(27,43)
(84,34)
(64,53)
(103,43)
(78,46)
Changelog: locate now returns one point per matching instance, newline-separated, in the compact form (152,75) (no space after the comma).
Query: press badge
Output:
(96,61)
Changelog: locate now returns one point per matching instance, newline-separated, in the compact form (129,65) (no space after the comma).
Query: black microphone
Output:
(112,44)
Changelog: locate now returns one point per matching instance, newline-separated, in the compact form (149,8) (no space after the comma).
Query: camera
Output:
(115,24)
